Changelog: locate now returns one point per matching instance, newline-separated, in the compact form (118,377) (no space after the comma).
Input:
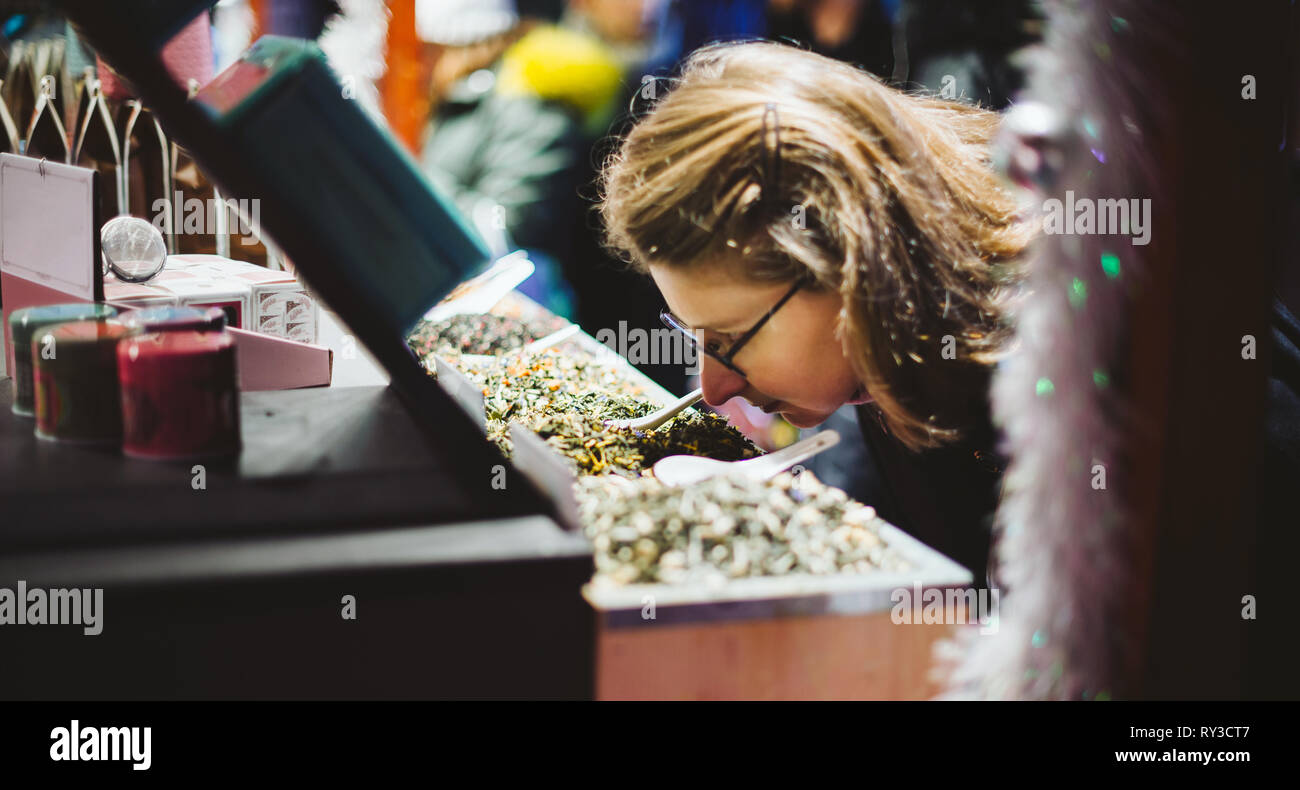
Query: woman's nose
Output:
(720,384)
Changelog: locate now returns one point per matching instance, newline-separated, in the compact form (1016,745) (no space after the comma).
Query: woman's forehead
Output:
(712,297)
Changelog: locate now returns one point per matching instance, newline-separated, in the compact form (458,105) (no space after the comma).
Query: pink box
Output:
(132,295)
(275,363)
(231,296)
(172,275)
(278,304)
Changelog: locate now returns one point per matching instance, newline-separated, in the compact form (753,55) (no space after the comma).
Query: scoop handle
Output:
(774,463)
(553,339)
(651,421)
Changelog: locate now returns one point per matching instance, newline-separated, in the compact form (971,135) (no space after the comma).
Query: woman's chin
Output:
(804,419)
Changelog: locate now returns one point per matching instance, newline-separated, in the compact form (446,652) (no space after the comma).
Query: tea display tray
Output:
(795,636)
(793,594)
(791,637)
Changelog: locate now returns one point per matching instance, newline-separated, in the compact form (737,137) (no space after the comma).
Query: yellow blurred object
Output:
(564,66)
(783,433)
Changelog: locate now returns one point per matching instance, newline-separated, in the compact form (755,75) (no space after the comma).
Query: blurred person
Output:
(966,50)
(854,31)
(509,100)
(300,18)
(643,38)
(635,31)
(617,22)
(709,21)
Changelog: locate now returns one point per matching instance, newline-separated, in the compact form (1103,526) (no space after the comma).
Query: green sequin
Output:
(1044,387)
(1110,264)
(1078,293)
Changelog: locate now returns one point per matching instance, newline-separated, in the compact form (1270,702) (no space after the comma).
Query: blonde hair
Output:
(885,197)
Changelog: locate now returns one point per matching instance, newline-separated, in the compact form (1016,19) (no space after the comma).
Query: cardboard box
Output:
(279,305)
(232,296)
(133,295)
(189,262)
(49,237)
(168,275)
(795,637)
(276,363)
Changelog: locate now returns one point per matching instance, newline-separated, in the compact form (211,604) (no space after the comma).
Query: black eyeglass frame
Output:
(727,357)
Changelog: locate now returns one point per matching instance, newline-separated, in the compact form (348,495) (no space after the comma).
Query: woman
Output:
(829,240)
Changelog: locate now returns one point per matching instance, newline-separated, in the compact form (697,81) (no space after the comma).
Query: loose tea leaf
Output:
(523,389)
(724,528)
(566,396)
(642,531)
(595,448)
(478,334)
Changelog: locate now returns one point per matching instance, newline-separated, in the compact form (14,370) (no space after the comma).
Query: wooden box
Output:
(776,638)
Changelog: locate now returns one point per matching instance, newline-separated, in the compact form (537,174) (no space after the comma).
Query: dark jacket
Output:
(945,497)
(519,152)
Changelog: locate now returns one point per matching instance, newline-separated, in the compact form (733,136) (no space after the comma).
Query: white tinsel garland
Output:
(1064,543)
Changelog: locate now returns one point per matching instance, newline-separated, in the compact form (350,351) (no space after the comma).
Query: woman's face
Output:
(795,365)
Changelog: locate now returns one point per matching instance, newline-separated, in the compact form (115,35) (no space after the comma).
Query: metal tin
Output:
(166,318)
(25,324)
(74,367)
(180,395)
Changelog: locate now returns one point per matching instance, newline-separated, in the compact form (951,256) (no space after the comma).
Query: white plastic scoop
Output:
(553,339)
(481,294)
(658,418)
(677,470)
(540,344)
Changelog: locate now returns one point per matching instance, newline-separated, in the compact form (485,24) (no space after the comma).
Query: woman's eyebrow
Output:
(736,325)
(714,328)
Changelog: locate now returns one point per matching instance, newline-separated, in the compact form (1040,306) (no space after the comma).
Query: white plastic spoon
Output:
(480,294)
(540,344)
(658,418)
(676,470)
(553,339)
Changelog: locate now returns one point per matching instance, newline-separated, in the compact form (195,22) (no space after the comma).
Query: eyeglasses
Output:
(726,357)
